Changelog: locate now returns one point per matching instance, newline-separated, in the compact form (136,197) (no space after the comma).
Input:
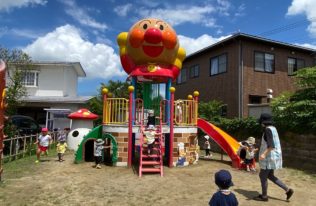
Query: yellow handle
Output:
(2,99)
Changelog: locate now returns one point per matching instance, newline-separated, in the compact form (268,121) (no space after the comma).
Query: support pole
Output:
(130,126)
(196,95)
(172,90)
(168,85)
(104,93)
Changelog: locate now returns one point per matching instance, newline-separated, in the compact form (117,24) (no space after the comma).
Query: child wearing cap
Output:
(250,154)
(43,141)
(223,197)
(61,148)
(98,148)
(150,135)
(151,120)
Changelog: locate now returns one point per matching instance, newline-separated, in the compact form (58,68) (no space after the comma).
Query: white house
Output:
(52,92)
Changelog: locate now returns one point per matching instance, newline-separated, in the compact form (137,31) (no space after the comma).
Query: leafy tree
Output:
(211,110)
(297,111)
(17,62)
(116,89)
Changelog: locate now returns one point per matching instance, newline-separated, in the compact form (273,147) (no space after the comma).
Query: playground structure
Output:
(151,56)
(2,107)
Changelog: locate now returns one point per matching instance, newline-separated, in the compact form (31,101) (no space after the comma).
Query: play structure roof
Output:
(83,114)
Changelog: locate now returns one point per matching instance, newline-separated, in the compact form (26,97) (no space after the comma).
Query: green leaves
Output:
(297,111)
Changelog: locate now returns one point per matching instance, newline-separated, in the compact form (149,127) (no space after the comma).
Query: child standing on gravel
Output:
(98,149)
(223,196)
(61,149)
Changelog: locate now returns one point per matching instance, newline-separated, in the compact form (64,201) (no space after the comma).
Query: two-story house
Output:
(240,70)
(52,92)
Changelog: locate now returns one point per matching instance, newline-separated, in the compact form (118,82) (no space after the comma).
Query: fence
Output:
(20,146)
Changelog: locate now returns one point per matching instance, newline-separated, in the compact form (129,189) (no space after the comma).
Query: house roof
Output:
(51,99)
(76,65)
(251,37)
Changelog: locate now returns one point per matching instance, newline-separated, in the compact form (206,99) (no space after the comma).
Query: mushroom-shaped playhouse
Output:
(81,125)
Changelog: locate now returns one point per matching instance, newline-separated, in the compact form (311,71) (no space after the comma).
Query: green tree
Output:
(297,111)
(117,89)
(17,62)
(211,111)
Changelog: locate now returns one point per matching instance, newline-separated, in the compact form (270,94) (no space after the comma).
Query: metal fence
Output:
(18,147)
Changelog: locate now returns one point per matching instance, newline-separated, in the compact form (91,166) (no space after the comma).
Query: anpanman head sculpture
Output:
(150,51)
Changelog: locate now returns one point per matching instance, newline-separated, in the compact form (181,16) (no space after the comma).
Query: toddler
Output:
(98,148)
(223,196)
(61,149)
(150,134)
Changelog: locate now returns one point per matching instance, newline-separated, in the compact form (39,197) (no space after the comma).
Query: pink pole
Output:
(130,126)
(172,90)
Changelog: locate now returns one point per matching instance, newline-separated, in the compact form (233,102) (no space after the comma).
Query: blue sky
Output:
(86,31)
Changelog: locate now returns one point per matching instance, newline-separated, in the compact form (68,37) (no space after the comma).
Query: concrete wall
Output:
(299,151)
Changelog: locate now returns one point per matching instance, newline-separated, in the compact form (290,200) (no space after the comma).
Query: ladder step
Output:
(150,169)
(151,162)
(151,156)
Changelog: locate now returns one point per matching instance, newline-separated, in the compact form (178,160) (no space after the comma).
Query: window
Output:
(182,76)
(294,64)
(264,62)
(253,99)
(218,64)
(194,71)
(30,78)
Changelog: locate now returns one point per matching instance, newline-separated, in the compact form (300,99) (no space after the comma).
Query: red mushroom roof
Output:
(82,114)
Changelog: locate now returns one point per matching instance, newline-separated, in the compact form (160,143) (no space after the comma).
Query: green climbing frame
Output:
(96,133)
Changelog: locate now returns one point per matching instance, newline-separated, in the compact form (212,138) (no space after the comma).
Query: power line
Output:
(286,27)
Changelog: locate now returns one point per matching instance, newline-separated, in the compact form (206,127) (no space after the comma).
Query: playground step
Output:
(151,156)
(151,162)
(150,169)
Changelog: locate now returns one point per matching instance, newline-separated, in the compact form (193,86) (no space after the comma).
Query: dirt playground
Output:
(54,183)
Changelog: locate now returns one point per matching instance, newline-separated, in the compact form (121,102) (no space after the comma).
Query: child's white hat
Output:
(99,142)
(151,127)
(251,140)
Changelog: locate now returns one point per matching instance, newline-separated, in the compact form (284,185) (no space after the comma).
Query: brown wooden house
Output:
(240,70)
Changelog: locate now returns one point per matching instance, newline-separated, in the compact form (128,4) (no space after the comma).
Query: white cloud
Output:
(311,46)
(192,45)
(66,44)
(81,15)
(223,7)
(123,10)
(7,5)
(307,7)
(182,14)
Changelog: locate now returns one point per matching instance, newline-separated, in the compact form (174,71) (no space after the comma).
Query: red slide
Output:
(224,140)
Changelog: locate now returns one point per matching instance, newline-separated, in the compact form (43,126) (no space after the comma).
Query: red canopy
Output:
(82,114)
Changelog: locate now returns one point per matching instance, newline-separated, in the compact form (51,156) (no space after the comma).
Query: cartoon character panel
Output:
(150,50)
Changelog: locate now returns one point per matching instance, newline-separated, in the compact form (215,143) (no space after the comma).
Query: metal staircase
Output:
(153,162)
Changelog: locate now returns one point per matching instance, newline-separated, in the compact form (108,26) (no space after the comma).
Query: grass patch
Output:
(21,167)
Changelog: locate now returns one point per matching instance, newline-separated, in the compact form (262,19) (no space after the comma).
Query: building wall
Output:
(222,87)
(55,80)
(257,83)
(70,82)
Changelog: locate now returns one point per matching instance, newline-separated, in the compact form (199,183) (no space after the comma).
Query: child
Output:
(150,134)
(151,118)
(61,148)
(98,148)
(207,149)
(63,135)
(223,196)
(250,153)
(42,142)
